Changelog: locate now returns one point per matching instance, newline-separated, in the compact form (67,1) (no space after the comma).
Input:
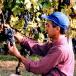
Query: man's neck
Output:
(57,37)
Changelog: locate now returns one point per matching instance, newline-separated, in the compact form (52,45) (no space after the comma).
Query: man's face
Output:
(52,31)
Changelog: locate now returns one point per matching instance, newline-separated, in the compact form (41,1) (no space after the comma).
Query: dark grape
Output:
(26,21)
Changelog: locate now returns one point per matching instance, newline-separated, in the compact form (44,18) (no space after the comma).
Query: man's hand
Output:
(13,50)
(7,25)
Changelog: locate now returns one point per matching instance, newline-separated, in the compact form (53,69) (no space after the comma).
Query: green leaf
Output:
(19,1)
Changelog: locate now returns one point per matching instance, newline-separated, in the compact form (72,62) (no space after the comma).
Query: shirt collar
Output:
(61,40)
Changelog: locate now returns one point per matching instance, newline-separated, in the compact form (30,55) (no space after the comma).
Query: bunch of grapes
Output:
(27,16)
(9,33)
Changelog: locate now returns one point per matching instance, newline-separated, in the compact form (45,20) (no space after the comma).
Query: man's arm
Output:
(42,66)
(32,45)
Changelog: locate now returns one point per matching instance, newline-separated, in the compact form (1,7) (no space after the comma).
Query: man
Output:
(57,56)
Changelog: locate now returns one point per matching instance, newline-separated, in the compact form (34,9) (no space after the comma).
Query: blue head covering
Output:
(59,18)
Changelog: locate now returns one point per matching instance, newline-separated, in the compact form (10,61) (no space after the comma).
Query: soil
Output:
(10,65)
(8,68)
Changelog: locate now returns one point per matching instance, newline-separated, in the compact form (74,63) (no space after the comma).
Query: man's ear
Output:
(58,28)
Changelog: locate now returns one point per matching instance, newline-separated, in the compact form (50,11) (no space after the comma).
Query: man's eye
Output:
(46,24)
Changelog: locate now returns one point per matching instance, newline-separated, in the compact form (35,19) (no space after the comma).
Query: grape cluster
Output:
(9,33)
(27,16)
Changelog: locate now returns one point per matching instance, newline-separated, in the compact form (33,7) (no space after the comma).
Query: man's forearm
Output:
(25,61)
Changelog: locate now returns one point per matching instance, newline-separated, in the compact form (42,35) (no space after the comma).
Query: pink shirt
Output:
(58,54)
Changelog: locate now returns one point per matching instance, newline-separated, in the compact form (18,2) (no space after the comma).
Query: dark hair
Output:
(62,30)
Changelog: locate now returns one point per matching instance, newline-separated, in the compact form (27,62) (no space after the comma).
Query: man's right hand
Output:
(7,25)
(13,50)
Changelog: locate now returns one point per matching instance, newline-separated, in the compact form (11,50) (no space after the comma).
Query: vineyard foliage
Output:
(25,15)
